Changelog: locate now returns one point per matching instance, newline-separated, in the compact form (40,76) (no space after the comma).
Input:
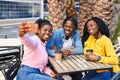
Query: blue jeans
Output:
(29,73)
(93,75)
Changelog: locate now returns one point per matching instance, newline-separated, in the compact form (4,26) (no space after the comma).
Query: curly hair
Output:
(102,28)
(42,22)
(73,20)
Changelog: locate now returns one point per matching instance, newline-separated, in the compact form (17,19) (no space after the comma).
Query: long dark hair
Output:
(102,28)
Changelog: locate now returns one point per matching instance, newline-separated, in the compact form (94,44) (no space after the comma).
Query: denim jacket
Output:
(57,39)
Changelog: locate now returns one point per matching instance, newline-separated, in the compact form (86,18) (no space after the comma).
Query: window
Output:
(46,15)
(16,9)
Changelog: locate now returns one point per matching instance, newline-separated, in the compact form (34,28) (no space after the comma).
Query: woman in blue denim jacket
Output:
(67,40)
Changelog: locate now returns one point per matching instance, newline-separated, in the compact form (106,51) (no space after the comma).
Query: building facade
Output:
(17,11)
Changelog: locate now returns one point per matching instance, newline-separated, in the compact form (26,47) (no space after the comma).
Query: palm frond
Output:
(116,31)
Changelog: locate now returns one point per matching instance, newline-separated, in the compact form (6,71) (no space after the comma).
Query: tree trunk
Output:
(100,8)
(104,10)
(56,12)
(86,8)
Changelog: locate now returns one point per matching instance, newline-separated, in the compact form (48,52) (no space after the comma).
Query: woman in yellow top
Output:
(96,37)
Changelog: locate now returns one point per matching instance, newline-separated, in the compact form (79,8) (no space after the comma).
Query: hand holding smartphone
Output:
(26,27)
(31,27)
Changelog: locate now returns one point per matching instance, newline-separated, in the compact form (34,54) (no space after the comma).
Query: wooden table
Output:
(76,63)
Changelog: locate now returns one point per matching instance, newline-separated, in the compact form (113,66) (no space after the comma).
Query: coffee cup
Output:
(88,53)
(58,56)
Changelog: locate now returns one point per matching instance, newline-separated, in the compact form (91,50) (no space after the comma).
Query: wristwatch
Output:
(99,58)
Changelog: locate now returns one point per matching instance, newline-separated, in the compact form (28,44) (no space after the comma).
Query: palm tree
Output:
(99,8)
(59,9)
(56,12)
(103,9)
(86,7)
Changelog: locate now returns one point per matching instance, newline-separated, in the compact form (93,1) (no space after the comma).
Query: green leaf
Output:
(116,31)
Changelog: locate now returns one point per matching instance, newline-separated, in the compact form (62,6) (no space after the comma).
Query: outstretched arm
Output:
(23,30)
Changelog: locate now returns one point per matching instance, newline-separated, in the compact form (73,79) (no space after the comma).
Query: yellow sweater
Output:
(104,48)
